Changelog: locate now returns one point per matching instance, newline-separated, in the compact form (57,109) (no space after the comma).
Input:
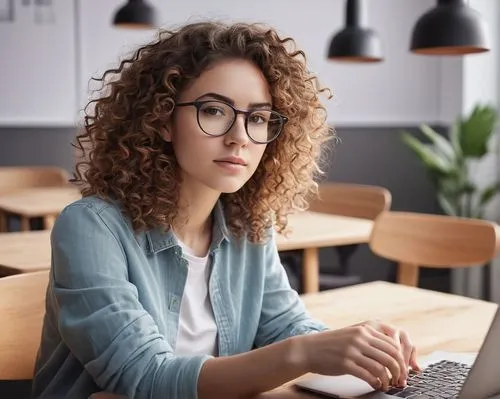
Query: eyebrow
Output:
(231,101)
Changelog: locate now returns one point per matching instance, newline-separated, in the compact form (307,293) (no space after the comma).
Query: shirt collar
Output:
(159,240)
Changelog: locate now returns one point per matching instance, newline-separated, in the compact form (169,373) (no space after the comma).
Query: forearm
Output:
(286,393)
(249,374)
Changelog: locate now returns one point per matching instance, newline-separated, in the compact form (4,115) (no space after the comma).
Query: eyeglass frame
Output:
(198,104)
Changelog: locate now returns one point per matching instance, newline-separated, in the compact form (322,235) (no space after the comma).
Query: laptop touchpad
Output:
(336,386)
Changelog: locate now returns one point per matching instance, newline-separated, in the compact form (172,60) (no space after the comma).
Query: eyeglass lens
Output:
(216,118)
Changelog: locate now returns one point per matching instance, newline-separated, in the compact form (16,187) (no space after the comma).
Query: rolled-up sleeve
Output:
(101,319)
(283,314)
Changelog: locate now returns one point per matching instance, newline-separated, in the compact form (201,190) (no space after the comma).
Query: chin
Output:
(230,190)
(227,187)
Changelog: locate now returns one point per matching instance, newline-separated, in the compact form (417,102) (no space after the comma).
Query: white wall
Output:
(44,77)
(400,91)
(37,68)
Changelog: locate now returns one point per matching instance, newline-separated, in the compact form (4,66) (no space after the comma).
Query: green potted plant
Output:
(448,160)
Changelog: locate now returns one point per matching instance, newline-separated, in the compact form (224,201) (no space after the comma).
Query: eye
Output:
(258,118)
(211,110)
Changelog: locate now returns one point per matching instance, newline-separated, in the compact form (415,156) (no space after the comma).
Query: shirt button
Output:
(174,304)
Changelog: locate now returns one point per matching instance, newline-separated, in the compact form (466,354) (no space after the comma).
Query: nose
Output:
(237,134)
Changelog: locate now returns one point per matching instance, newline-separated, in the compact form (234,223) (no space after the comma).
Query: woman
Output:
(166,281)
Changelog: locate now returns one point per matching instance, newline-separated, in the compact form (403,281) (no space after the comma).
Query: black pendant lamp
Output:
(451,28)
(355,43)
(136,14)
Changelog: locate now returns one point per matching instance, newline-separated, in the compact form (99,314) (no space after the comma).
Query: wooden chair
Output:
(346,199)
(355,200)
(421,240)
(15,178)
(22,306)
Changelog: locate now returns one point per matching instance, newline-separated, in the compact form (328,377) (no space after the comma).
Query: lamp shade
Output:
(451,28)
(355,43)
(136,14)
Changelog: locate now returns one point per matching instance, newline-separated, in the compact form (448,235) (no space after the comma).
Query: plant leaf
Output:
(441,144)
(454,136)
(447,205)
(489,193)
(432,159)
(476,130)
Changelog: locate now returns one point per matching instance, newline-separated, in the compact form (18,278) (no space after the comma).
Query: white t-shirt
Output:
(197,333)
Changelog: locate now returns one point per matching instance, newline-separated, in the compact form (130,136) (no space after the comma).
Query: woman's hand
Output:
(402,339)
(367,350)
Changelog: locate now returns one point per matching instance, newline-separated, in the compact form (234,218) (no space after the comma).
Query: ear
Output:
(166,132)
(167,136)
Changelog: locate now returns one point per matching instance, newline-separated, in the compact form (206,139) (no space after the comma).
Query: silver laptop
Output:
(444,375)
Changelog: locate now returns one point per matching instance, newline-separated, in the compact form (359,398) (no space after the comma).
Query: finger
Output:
(401,340)
(379,331)
(380,341)
(406,346)
(354,369)
(385,360)
(413,360)
(376,369)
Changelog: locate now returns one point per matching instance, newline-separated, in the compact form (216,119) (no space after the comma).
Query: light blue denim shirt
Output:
(113,304)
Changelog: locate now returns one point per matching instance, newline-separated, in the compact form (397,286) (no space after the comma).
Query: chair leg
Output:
(408,274)
(3,222)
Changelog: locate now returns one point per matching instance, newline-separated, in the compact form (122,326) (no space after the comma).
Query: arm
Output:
(280,356)
(250,374)
(103,323)
(100,317)
(283,314)
(286,393)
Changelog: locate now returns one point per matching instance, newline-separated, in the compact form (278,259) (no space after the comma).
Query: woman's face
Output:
(223,163)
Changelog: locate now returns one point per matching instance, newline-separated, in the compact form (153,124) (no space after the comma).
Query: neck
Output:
(194,225)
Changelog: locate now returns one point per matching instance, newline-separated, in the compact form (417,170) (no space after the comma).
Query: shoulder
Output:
(90,204)
(89,214)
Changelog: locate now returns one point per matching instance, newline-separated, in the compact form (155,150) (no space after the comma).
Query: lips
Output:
(232,160)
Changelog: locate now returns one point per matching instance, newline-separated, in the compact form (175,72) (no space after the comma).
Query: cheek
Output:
(256,155)
(258,152)
(184,134)
(184,126)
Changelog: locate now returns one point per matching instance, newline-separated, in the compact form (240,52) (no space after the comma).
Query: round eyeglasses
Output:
(216,118)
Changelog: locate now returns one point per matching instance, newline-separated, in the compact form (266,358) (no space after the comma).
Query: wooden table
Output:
(313,230)
(310,232)
(434,320)
(44,202)
(24,252)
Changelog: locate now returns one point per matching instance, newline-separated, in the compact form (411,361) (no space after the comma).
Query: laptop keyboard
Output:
(440,380)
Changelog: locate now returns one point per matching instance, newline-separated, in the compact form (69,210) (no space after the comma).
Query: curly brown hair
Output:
(125,158)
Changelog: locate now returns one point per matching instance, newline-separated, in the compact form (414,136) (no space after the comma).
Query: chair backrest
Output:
(497,230)
(356,200)
(22,307)
(13,178)
(437,241)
